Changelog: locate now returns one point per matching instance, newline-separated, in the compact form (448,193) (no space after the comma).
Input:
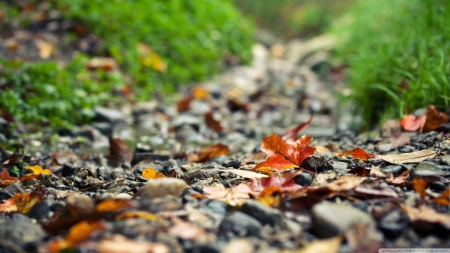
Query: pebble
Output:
(241,224)
(425,169)
(383,148)
(12,189)
(304,179)
(40,209)
(393,223)
(338,166)
(160,187)
(19,232)
(394,169)
(240,245)
(331,219)
(68,170)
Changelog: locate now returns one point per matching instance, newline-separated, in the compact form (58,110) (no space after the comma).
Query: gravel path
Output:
(155,177)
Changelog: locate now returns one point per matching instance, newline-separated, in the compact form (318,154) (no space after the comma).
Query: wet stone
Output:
(425,169)
(68,170)
(383,148)
(233,163)
(241,224)
(304,179)
(331,219)
(394,169)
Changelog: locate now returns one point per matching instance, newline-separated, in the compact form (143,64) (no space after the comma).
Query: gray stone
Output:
(40,209)
(68,170)
(109,115)
(384,147)
(331,219)
(16,187)
(168,203)
(233,163)
(394,169)
(425,169)
(338,166)
(20,232)
(241,224)
(160,187)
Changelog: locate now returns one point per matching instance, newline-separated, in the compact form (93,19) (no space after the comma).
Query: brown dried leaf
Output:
(185,104)
(212,123)
(413,157)
(434,119)
(420,185)
(119,151)
(345,183)
(444,199)
(426,214)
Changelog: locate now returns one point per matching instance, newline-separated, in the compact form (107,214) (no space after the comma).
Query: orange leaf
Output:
(357,153)
(4,175)
(208,153)
(282,181)
(444,199)
(200,93)
(274,163)
(28,177)
(137,215)
(22,202)
(434,119)
(113,205)
(419,186)
(212,123)
(82,231)
(38,170)
(184,104)
(150,173)
(291,134)
(277,150)
(411,123)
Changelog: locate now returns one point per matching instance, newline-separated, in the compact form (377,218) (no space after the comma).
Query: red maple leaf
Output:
(4,175)
(291,134)
(411,123)
(283,182)
(357,153)
(283,155)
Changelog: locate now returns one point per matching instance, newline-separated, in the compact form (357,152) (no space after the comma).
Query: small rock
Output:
(304,179)
(425,169)
(12,189)
(241,245)
(109,115)
(233,163)
(19,232)
(241,224)
(393,223)
(68,170)
(315,163)
(331,219)
(384,147)
(394,169)
(105,173)
(160,187)
(40,209)
(80,202)
(337,166)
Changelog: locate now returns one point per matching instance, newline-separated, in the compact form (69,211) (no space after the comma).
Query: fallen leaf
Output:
(212,123)
(375,191)
(77,233)
(399,140)
(101,63)
(444,199)
(4,175)
(149,58)
(28,177)
(137,215)
(208,153)
(291,134)
(233,196)
(434,119)
(413,157)
(184,104)
(357,153)
(199,92)
(61,157)
(38,170)
(150,173)
(331,245)
(120,244)
(189,231)
(113,205)
(245,174)
(119,151)
(345,183)
(45,48)
(23,202)
(284,181)
(420,185)
(360,171)
(425,214)
(375,171)
(411,123)
(401,180)
(283,156)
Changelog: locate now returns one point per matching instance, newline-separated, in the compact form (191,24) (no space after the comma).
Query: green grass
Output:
(398,56)
(294,18)
(191,38)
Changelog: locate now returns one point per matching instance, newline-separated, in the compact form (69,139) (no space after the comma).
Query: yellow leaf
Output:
(150,173)
(45,48)
(38,170)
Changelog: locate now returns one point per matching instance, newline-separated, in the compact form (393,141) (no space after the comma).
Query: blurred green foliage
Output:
(398,56)
(192,37)
(41,94)
(158,44)
(294,18)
